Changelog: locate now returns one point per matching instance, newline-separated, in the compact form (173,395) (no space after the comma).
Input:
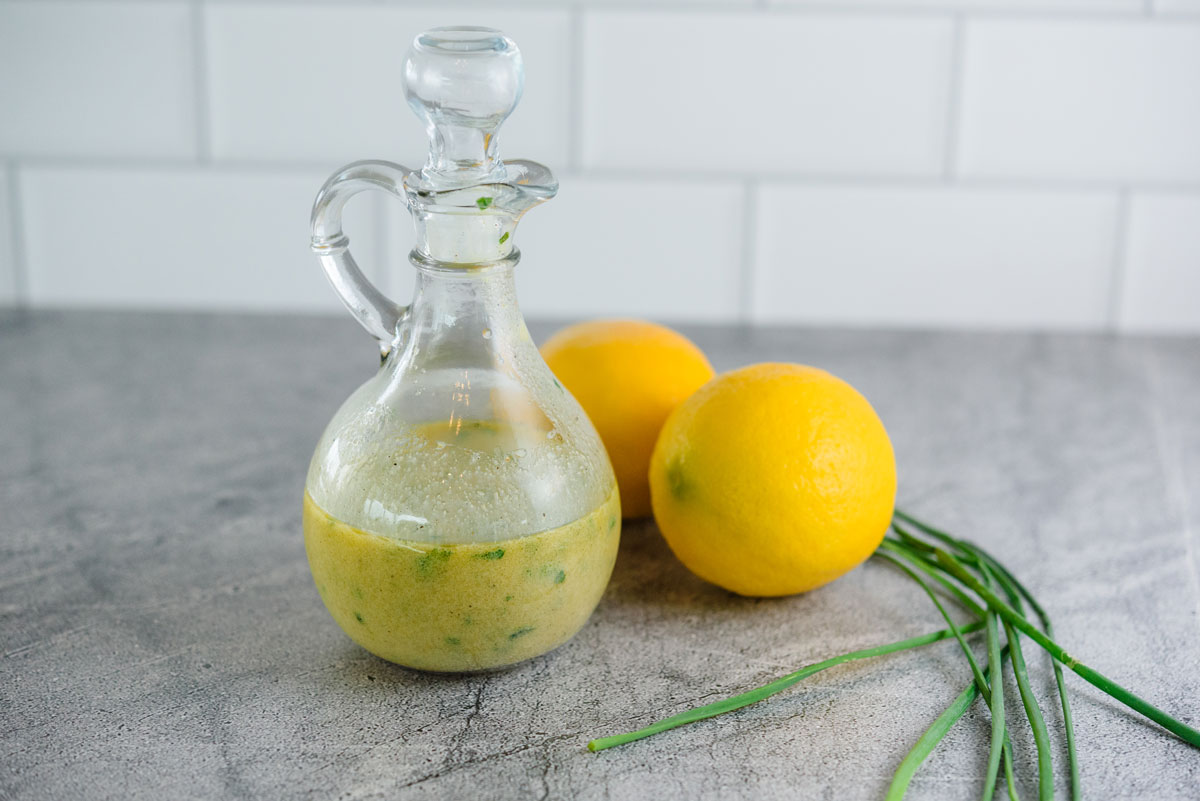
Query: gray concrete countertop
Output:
(161,637)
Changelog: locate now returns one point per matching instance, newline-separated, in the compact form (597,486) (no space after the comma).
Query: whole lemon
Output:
(628,375)
(773,479)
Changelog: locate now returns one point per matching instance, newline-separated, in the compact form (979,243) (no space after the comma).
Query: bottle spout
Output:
(466,201)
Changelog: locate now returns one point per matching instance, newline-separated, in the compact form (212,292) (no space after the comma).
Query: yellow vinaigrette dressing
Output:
(468,606)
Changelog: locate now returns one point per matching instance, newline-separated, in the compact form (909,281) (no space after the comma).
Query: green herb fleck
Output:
(356,592)
(483,202)
(521,632)
(358,616)
(504,238)
(496,554)
(612,522)
(453,641)
(508,597)
(553,572)
(560,386)
(433,560)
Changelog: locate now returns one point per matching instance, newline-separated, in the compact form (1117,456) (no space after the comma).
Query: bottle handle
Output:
(374,311)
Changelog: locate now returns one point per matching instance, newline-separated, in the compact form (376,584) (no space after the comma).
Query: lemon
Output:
(628,375)
(773,479)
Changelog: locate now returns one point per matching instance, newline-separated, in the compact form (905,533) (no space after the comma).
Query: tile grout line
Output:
(575,83)
(863,8)
(16,223)
(1117,265)
(748,275)
(953,101)
(866,8)
(1040,185)
(200,105)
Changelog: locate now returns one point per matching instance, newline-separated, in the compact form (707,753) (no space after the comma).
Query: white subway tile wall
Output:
(178,238)
(665,248)
(97,79)
(1162,287)
(1096,100)
(916,163)
(1177,6)
(942,256)
(737,93)
(323,83)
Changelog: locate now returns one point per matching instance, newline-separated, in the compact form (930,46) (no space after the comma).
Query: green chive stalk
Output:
(892,547)
(1088,674)
(1041,736)
(1012,585)
(1001,744)
(996,682)
(975,671)
(779,685)
(1033,712)
(928,741)
(1014,588)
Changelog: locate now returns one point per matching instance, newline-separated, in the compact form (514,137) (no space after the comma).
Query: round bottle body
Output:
(461,518)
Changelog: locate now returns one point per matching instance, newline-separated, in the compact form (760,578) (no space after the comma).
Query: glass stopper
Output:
(463,82)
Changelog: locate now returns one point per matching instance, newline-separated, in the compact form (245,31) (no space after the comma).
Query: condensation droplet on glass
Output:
(487,333)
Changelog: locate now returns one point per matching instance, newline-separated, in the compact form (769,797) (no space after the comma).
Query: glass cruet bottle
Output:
(460,512)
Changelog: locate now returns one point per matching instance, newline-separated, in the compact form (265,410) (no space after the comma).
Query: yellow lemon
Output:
(773,479)
(628,375)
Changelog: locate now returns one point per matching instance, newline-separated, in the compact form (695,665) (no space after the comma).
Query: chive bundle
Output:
(956,569)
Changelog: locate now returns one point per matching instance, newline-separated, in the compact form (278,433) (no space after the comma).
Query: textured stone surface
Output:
(161,638)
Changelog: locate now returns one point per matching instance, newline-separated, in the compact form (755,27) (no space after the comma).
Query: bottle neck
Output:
(463,317)
(475,237)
